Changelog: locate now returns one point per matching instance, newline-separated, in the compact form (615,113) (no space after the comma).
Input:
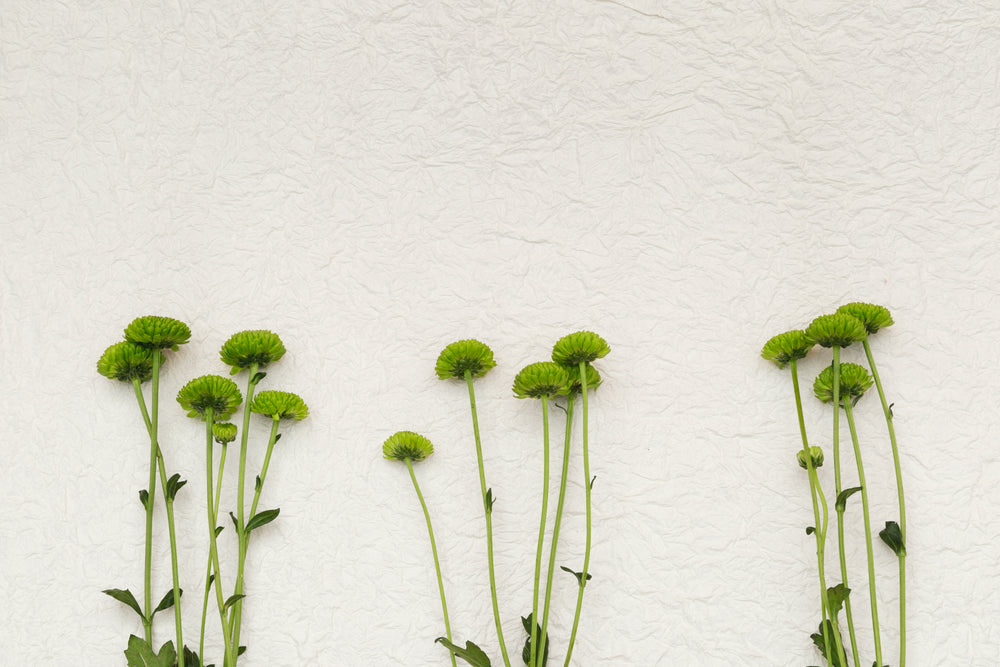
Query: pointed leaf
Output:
(236,524)
(139,654)
(233,599)
(810,530)
(489,500)
(592,480)
(262,518)
(125,597)
(277,437)
(526,651)
(578,575)
(825,630)
(258,377)
(472,654)
(890,410)
(143,497)
(837,595)
(174,485)
(219,529)
(257,484)
(168,600)
(893,538)
(844,495)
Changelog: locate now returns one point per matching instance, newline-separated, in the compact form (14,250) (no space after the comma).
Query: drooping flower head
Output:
(257,346)
(838,329)
(404,445)
(583,346)
(594,379)
(854,382)
(156,332)
(544,379)
(280,405)
(815,453)
(871,316)
(224,433)
(464,355)
(787,347)
(126,361)
(210,391)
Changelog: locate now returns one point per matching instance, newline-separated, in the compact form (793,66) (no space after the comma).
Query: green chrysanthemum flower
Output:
(871,316)
(594,378)
(542,379)
(787,347)
(157,332)
(257,346)
(280,405)
(404,445)
(464,355)
(224,433)
(210,391)
(837,329)
(854,382)
(585,346)
(126,362)
(815,453)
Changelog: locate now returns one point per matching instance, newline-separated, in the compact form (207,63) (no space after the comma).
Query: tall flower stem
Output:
(558,521)
(587,484)
(208,573)
(229,660)
(902,506)
(154,450)
(868,533)
(437,564)
(241,534)
(488,509)
(536,656)
(273,438)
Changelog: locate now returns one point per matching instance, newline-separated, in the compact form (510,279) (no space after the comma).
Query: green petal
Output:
(126,361)
(837,329)
(153,331)
(257,346)
(464,355)
(854,382)
(871,316)
(210,391)
(280,405)
(786,347)
(542,379)
(584,346)
(404,445)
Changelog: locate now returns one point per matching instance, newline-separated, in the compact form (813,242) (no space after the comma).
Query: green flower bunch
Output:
(842,385)
(569,375)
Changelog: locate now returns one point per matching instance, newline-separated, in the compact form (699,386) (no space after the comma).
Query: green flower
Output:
(580,346)
(280,405)
(871,316)
(157,332)
(786,347)
(126,362)
(542,379)
(815,453)
(210,391)
(594,379)
(838,329)
(224,433)
(257,346)
(404,445)
(854,382)
(464,355)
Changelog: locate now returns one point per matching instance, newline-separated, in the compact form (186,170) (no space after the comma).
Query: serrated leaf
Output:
(578,575)
(262,518)
(472,654)
(526,651)
(168,601)
(893,538)
(140,654)
(143,497)
(233,599)
(258,377)
(843,496)
(125,597)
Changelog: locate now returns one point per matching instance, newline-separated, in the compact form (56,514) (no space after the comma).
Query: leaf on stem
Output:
(489,500)
(232,599)
(140,654)
(236,524)
(893,538)
(174,485)
(257,484)
(167,602)
(219,529)
(258,377)
(810,530)
(592,480)
(527,650)
(578,575)
(262,518)
(837,596)
(826,629)
(125,597)
(843,496)
(472,654)
(191,658)
(143,497)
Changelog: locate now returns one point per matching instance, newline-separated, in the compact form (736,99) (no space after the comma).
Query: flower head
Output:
(157,332)
(214,392)
(854,382)
(404,445)
(280,405)
(838,329)
(786,347)
(584,346)
(126,362)
(224,433)
(257,346)
(871,316)
(815,453)
(544,379)
(464,355)
(594,379)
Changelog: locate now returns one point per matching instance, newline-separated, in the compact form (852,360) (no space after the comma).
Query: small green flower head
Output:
(543,379)
(815,453)
(837,329)
(854,382)
(157,332)
(464,355)
(224,433)
(257,346)
(210,391)
(584,346)
(786,347)
(280,405)
(871,316)
(404,445)
(126,362)
(594,379)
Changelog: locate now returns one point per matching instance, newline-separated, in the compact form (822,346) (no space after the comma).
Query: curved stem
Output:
(273,438)
(587,484)
(821,557)
(868,533)
(902,506)
(488,509)
(147,622)
(437,564)
(208,573)
(237,616)
(212,547)
(537,656)
(558,521)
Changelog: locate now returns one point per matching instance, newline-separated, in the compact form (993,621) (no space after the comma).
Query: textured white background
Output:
(375,179)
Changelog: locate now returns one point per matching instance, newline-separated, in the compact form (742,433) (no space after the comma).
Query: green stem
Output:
(208,572)
(437,564)
(587,483)
(902,506)
(488,508)
(821,557)
(237,616)
(213,548)
(558,521)
(263,471)
(147,621)
(535,655)
(868,533)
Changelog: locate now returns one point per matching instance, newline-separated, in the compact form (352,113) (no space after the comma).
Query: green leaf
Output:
(527,650)
(893,537)
(277,437)
(174,485)
(820,642)
(837,595)
(592,480)
(125,597)
(140,654)
(472,654)
(191,658)
(810,530)
(233,599)
(262,518)
(890,410)
(578,575)
(143,497)
(167,602)
(219,529)
(844,495)
(236,524)
(258,377)
(489,500)
(257,484)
